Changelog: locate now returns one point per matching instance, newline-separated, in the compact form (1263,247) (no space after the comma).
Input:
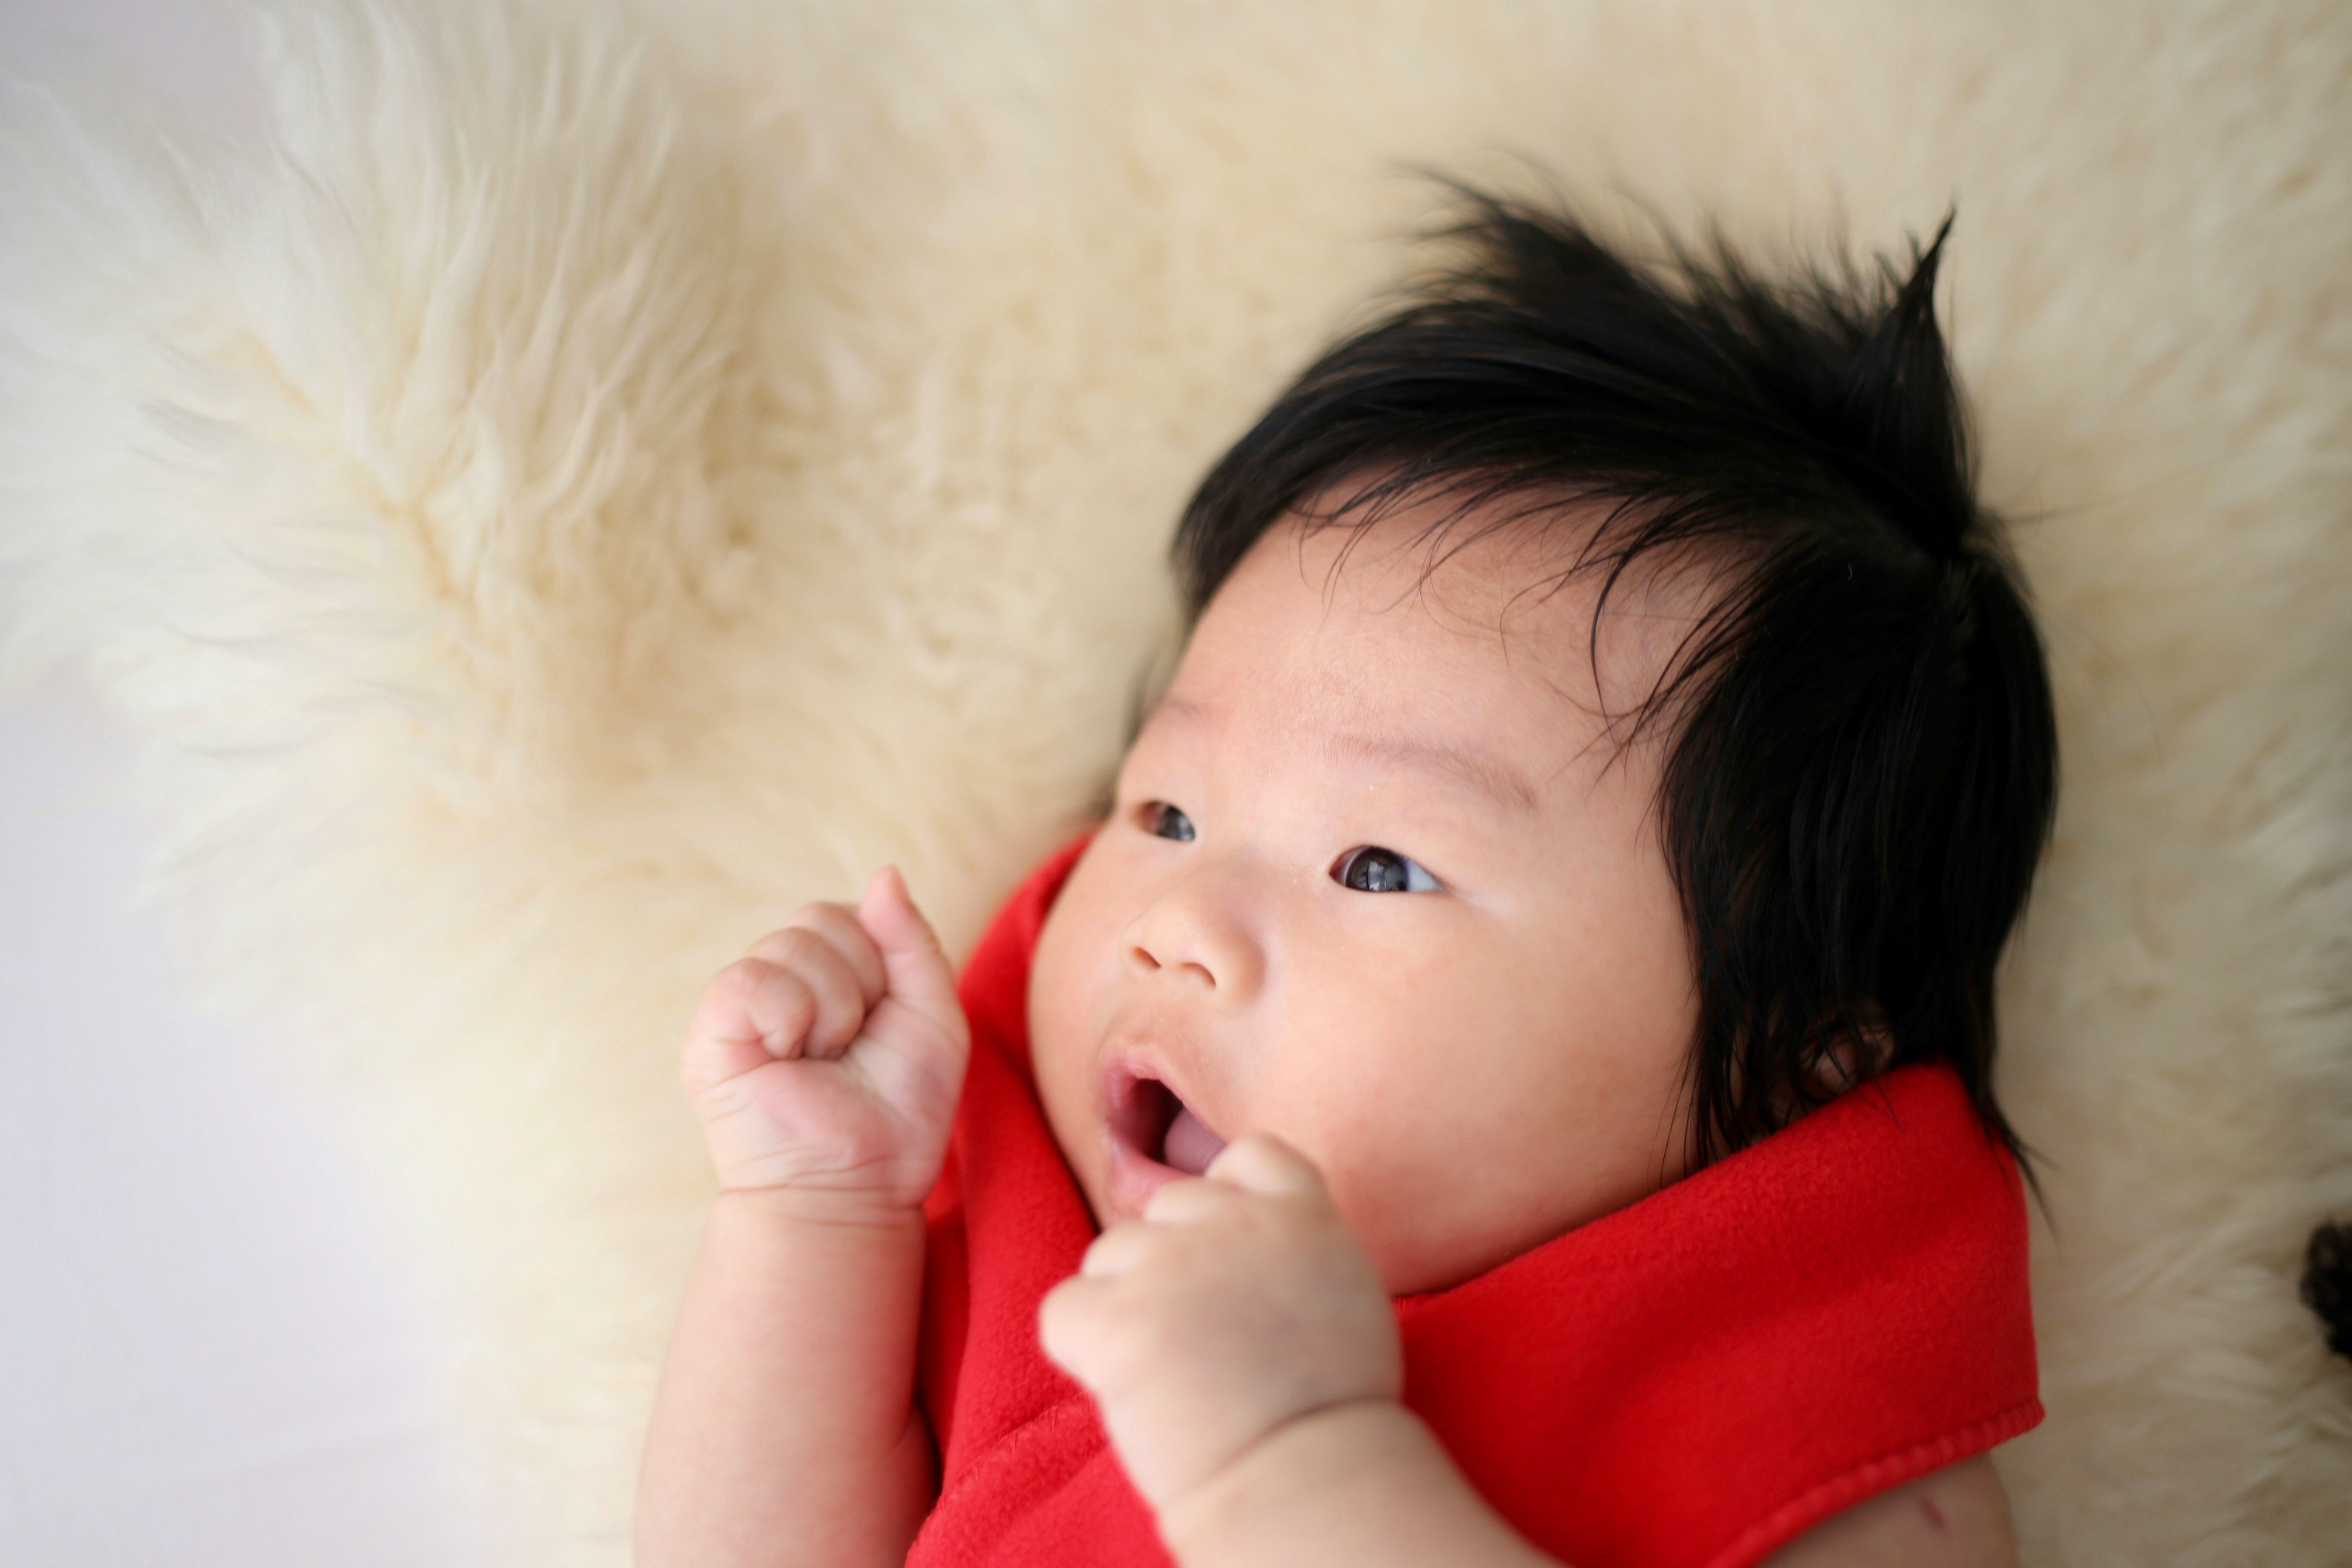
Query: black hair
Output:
(1861,770)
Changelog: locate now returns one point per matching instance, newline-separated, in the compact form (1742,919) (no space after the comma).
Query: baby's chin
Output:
(1411,1258)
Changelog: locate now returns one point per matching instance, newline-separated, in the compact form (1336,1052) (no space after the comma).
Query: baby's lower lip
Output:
(1155,1139)
(1134,1177)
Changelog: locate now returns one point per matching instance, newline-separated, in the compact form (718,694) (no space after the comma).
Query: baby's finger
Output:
(727,1037)
(1263,1163)
(1187,1202)
(752,1012)
(1117,1251)
(1071,1329)
(920,979)
(838,925)
(838,1005)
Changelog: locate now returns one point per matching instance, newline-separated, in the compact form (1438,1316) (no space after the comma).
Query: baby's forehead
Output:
(1486,659)
(1524,590)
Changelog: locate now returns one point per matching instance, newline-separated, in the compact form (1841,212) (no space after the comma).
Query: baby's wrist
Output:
(848,1210)
(1317,1454)
(1364,1481)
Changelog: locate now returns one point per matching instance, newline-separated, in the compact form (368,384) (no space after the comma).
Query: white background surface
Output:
(208,1355)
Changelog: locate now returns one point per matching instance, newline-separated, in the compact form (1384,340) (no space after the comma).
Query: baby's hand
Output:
(1238,1303)
(831,1056)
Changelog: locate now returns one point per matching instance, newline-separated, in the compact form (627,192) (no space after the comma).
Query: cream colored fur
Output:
(613,474)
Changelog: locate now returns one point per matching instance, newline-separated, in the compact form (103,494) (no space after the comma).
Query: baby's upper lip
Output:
(1132,1111)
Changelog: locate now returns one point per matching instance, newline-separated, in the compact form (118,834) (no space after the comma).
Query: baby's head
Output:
(1609,727)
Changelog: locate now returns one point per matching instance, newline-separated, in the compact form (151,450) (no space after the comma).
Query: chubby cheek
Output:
(1381,1080)
(1465,1111)
(1069,981)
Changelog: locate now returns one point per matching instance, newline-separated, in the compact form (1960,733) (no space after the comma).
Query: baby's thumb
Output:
(915,970)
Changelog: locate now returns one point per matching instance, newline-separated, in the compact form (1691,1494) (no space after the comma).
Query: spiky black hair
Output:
(1862,768)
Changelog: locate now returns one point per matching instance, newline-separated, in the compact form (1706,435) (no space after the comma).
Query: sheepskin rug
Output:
(607,474)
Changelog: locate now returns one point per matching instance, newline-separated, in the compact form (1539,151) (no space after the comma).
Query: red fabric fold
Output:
(1689,1382)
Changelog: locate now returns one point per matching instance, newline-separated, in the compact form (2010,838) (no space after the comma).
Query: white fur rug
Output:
(613,474)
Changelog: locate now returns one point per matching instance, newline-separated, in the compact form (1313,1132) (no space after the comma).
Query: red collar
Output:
(1691,1382)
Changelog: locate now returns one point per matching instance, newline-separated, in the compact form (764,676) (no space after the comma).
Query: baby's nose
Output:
(1141,959)
(1188,936)
(1145,956)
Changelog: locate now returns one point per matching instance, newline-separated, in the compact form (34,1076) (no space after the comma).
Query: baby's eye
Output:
(1372,869)
(1164,821)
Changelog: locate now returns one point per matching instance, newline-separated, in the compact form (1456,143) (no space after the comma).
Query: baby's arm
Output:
(1247,1366)
(826,1067)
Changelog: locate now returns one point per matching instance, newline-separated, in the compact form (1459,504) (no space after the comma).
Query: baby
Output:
(1550,913)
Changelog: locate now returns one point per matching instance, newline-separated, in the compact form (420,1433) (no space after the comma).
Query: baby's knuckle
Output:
(740,980)
(829,922)
(802,946)
(1254,1218)
(790,991)
(1067,1323)
(826,931)
(785,948)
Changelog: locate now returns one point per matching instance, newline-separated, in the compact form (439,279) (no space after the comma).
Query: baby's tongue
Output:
(1191,1144)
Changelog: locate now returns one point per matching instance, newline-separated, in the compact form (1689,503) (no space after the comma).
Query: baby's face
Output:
(1376,882)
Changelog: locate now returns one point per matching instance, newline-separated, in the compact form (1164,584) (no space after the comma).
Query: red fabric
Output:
(1689,1382)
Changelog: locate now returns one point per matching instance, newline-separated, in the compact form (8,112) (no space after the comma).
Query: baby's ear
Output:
(1854,1057)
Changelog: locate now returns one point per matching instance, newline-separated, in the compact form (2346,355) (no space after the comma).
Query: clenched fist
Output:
(830,1057)
(1237,1304)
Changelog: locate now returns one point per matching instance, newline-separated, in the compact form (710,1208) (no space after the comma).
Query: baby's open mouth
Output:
(1147,1118)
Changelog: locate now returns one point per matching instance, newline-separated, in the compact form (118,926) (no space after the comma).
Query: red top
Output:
(1689,1382)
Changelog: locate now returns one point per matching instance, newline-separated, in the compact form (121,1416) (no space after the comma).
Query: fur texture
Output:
(610,475)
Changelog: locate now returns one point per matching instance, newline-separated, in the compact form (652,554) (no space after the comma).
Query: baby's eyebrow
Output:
(1482,771)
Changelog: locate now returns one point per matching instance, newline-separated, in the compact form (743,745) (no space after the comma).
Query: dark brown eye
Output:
(1372,869)
(1166,822)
